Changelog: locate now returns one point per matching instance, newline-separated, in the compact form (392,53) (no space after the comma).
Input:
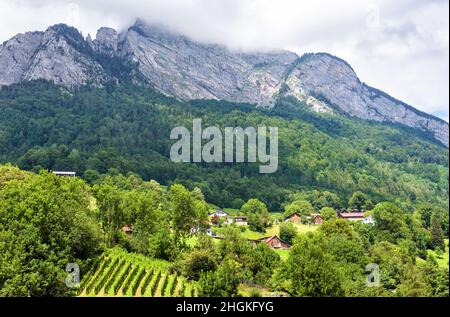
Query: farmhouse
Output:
(273,242)
(295,218)
(351,216)
(219,214)
(240,221)
(64,174)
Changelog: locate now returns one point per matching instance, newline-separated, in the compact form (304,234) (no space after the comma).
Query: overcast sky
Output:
(400,47)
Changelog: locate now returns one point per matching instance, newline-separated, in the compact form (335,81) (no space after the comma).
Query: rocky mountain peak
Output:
(177,66)
(106,41)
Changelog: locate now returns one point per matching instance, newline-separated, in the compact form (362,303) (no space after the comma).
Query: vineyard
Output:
(118,273)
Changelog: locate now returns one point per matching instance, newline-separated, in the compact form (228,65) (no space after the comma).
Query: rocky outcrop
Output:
(179,67)
(332,80)
(59,54)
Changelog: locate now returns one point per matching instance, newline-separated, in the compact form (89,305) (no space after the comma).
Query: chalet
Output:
(64,174)
(274,242)
(295,217)
(128,230)
(352,216)
(240,221)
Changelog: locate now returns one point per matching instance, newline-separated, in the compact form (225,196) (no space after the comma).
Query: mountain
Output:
(173,64)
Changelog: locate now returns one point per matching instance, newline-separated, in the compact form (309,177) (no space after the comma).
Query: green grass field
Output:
(284,254)
(443,260)
(275,230)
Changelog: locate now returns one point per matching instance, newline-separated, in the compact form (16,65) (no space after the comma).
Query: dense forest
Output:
(123,129)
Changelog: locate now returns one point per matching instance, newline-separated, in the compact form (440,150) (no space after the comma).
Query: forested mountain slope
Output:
(95,131)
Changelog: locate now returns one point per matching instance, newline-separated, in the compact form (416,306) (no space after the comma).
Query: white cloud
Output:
(401,47)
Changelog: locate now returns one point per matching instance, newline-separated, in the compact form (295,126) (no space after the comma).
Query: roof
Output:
(218,212)
(238,218)
(291,215)
(64,173)
(352,215)
(268,239)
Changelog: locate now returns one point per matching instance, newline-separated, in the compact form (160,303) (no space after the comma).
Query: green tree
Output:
(302,207)
(357,201)
(413,283)
(390,222)
(437,234)
(258,214)
(287,232)
(391,259)
(264,261)
(328,213)
(313,271)
(196,262)
(45,223)
(108,199)
(223,282)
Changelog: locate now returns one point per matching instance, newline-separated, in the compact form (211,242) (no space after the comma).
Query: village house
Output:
(64,174)
(351,216)
(274,242)
(219,214)
(295,218)
(239,221)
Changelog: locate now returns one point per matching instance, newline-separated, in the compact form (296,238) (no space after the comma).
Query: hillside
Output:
(95,131)
(119,273)
(48,222)
(126,129)
(171,63)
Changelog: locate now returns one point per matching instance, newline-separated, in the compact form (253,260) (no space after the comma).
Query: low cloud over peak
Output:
(401,47)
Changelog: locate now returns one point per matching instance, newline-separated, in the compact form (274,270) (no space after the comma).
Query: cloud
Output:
(401,47)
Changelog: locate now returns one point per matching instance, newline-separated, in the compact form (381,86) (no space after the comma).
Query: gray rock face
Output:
(16,56)
(327,77)
(179,67)
(59,54)
(106,41)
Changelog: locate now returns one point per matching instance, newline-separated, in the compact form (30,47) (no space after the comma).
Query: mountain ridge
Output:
(176,66)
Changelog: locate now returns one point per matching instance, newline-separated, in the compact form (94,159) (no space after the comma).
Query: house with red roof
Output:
(352,215)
